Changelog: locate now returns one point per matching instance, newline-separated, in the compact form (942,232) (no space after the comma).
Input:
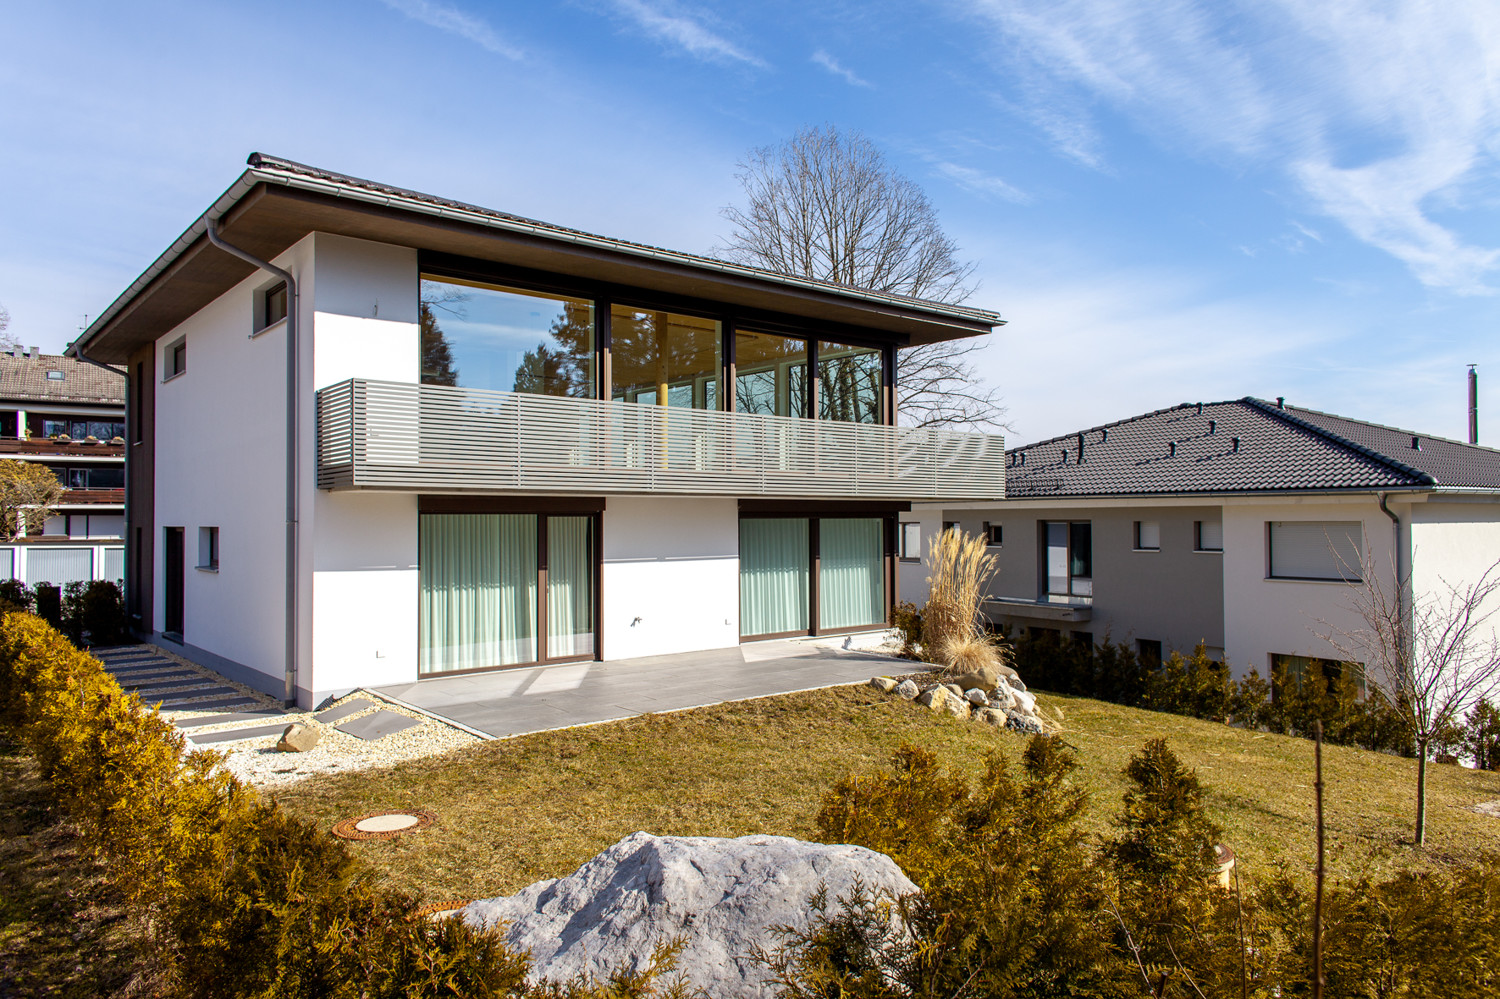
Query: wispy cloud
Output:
(686,30)
(828,62)
(979,182)
(1381,115)
(448,18)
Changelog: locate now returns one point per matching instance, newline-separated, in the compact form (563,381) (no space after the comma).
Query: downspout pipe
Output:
(293,643)
(1401,598)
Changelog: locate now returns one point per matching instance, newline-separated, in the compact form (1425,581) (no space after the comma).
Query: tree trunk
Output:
(1421,791)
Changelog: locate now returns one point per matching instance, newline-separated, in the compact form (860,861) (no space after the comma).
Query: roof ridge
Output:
(1398,430)
(1277,412)
(1120,423)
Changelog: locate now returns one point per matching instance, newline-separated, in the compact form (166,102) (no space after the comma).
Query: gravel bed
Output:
(256,760)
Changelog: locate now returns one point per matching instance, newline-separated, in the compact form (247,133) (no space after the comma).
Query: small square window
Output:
(208,548)
(175,359)
(1148,535)
(911,542)
(950,525)
(55,376)
(994,534)
(273,305)
(1208,535)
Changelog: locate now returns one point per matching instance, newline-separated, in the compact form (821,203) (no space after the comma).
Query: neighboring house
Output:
(511,443)
(1235,524)
(70,416)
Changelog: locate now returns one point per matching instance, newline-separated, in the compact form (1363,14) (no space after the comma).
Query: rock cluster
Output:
(722,898)
(996,697)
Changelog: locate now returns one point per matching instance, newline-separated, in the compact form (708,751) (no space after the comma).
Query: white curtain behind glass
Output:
(851,585)
(774,571)
(478,591)
(570,605)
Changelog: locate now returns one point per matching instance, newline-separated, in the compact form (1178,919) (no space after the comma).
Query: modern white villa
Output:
(374,436)
(1242,525)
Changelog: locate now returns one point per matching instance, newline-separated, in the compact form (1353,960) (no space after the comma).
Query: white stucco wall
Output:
(1454,542)
(670,575)
(219,462)
(1264,616)
(363,546)
(911,577)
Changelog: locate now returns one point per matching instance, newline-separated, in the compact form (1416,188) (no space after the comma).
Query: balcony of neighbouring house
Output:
(430,438)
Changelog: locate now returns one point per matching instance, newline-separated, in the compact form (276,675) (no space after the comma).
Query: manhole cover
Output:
(383,825)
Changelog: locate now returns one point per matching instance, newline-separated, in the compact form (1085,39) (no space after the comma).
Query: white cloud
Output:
(828,62)
(1380,114)
(979,182)
(686,31)
(450,19)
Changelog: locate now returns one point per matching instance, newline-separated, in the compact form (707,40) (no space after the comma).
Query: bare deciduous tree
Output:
(1433,654)
(826,205)
(28,494)
(8,339)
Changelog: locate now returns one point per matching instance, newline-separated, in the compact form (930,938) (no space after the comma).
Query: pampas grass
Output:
(952,627)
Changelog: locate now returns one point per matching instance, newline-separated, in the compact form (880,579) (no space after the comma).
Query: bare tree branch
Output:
(8,339)
(1433,654)
(826,205)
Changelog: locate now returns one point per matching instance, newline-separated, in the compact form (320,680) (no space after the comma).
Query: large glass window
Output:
(79,428)
(1316,549)
(849,383)
(775,567)
(770,374)
(477,336)
(664,359)
(851,578)
(478,604)
(1070,558)
(570,587)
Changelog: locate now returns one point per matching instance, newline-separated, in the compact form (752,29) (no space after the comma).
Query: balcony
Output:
(397,436)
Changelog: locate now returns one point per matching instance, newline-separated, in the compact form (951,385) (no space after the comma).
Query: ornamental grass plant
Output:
(953,630)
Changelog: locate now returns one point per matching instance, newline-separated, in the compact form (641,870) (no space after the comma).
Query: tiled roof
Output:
(1245,445)
(24,378)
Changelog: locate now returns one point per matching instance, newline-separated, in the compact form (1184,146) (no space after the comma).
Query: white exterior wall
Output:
(671,575)
(1264,616)
(1454,542)
(219,462)
(363,546)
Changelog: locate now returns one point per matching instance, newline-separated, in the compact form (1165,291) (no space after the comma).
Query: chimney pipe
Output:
(1473,404)
(1213,426)
(1172,449)
(1236,442)
(1281,402)
(1080,449)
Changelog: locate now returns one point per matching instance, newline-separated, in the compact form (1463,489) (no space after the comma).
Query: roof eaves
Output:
(288,173)
(1421,477)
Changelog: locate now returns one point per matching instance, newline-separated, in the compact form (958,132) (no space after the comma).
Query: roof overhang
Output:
(274,204)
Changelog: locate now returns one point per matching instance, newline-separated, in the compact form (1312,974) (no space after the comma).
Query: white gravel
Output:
(256,761)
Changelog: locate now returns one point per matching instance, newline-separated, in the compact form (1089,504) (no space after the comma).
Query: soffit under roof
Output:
(268,217)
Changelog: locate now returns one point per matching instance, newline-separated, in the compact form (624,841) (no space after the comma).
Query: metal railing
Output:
(433,438)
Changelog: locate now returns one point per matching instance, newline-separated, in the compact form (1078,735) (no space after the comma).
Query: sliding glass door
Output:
(497,588)
(811,575)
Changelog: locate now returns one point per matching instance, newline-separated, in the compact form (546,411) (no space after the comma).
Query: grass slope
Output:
(516,811)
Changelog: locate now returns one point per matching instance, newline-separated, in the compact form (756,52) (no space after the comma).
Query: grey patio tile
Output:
(193,704)
(230,716)
(343,711)
(235,734)
(191,680)
(377,726)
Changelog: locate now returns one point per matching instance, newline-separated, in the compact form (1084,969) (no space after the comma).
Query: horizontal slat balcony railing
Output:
(433,438)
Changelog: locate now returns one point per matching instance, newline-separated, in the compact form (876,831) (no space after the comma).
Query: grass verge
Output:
(516,811)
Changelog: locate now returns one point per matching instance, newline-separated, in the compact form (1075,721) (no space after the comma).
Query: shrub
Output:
(240,898)
(48,600)
(14,595)
(100,613)
(1481,736)
(907,619)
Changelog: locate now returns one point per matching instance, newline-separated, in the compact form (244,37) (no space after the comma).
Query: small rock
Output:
(1003,699)
(977,697)
(1016,683)
(956,706)
(907,689)
(1024,701)
(1022,722)
(883,683)
(298,738)
(1009,674)
(954,689)
(933,697)
(984,679)
(990,717)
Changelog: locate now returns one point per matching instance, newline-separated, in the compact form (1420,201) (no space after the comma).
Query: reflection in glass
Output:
(849,383)
(770,374)
(475,336)
(664,359)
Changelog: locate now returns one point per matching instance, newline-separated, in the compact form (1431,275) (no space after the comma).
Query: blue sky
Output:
(1169,201)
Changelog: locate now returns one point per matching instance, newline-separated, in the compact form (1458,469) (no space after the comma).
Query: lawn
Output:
(515,811)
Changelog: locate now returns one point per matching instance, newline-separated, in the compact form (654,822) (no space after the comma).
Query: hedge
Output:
(239,898)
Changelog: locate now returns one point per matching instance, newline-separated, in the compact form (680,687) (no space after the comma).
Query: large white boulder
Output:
(721,896)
